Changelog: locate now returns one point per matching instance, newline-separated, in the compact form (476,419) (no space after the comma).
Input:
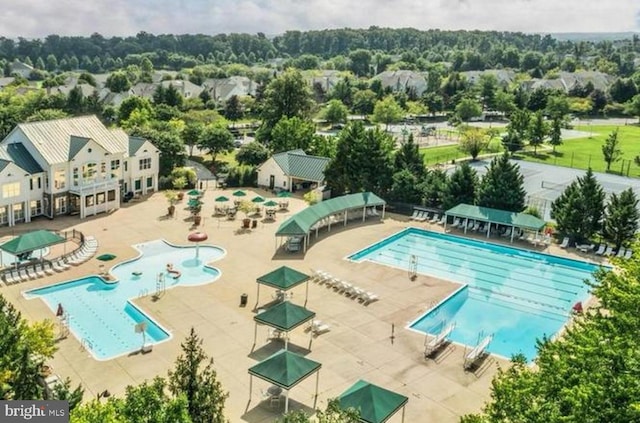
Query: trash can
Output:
(254,224)
(243,300)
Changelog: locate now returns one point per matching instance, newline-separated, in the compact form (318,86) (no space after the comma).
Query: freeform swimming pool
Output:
(515,295)
(101,315)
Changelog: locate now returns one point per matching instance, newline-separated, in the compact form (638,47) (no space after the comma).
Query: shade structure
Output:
(106,257)
(270,203)
(375,404)
(239,193)
(221,199)
(194,192)
(257,199)
(31,241)
(285,316)
(194,202)
(283,278)
(285,369)
(284,194)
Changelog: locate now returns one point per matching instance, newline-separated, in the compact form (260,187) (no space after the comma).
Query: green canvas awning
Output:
(285,316)
(31,241)
(194,192)
(283,278)
(285,369)
(375,404)
(502,217)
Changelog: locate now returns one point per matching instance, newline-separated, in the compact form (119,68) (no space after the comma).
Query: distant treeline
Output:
(465,50)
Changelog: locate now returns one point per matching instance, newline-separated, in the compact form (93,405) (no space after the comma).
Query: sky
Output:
(38,18)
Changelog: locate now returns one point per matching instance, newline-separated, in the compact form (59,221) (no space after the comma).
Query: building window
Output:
(60,205)
(88,200)
(59,179)
(39,183)
(125,166)
(103,170)
(115,169)
(11,190)
(3,216)
(138,185)
(111,195)
(31,184)
(150,182)
(100,198)
(76,177)
(18,212)
(89,172)
(145,163)
(36,208)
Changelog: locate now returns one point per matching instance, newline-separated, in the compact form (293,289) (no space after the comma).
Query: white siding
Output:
(268,168)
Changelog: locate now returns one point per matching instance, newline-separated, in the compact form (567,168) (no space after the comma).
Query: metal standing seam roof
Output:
(52,137)
(283,278)
(135,144)
(18,154)
(31,241)
(375,404)
(301,222)
(298,164)
(285,369)
(504,217)
(285,316)
(76,144)
(3,164)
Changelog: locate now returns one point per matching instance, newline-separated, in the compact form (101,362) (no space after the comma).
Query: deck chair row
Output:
(344,287)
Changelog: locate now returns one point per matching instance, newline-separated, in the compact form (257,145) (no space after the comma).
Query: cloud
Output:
(38,18)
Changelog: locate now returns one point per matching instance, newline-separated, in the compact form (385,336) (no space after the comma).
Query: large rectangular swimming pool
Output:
(515,295)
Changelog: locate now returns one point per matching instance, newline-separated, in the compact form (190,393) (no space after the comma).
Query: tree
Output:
(579,209)
(611,149)
(75,101)
(360,62)
(621,218)
(555,133)
(191,135)
(118,82)
(387,111)
(252,154)
(632,107)
(195,378)
(409,157)
(405,187)
(335,112)
(291,134)
(433,188)
(473,141)
(537,131)
(332,414)
(557,106)
(286,96)
(516,130)
(167,139)
(233,108)
(504,102)
(460,187)
(364,101)
(215,139)
(468,108)
(502,187)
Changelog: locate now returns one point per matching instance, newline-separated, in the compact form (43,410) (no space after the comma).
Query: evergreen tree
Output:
(460,187)
(408,157)
(621,218)
(406,187)
(579,209)
(195,378)
(516,130)
(502,187)
(555,133)
(433,188)
(233,108)
(611,149)
(75,101)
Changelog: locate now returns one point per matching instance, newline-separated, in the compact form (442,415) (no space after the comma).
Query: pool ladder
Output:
(86,344)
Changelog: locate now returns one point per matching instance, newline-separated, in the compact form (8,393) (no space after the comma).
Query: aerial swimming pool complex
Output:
(100,313)
(514,295)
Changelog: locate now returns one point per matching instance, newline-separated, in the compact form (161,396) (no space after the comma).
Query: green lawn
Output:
(582,153)
(444,154)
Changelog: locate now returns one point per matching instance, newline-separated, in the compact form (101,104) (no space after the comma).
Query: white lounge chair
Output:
(422,216)
(477,352)
(415,214)
(39,271)
(435,218)
(565,242)
(319,327)
(438,341)
(601,249)
(609,251)
(476,226)
(628,254)
(442,220)
(455,223)
(368,297)
(507,233)
(621,252)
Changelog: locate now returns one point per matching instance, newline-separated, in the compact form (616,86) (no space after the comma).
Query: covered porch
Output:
(93,199)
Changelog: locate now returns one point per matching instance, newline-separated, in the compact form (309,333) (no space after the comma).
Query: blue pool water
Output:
(100,313)
(515,295)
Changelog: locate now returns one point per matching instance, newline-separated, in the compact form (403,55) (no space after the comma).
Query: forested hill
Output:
(167,50)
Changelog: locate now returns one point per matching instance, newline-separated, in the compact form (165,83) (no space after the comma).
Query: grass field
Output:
(582,153)
(444,154)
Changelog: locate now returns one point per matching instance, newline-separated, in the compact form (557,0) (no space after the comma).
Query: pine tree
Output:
(409,157)
(460,187)
(195,378)
(621,218)
(502,187)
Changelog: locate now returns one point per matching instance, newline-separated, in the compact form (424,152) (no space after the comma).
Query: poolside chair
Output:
(374,211)
(368,297)
(476,226)
(601,249)
(435,218)
(565,242)
(455,223)
(609,251)
(442,220)
(10,278)
(39,271)
(621,252)
(628,253)
(477,352)
(507,233)
(48,269)
(435,343)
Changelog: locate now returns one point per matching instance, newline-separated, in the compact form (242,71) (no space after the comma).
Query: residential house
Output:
(71,166)
(327,79)
(504,76)
(566,81)
(291,171)
(403,81)
(223,89)
(21,69)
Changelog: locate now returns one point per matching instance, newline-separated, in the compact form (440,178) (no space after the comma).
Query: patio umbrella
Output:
(284,194)
(221,199)
(106,257)
(257,199)
(194,192)
(194,202)
(270,203)
(239,193)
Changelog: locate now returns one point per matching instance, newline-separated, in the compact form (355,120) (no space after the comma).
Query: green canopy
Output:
(270,203)
(239,193)
(285,316)
(257,199)
(194,192)
(221,199)
(194,202)
(31,241)
(285,369)
(502,217)
(106,257)
(284,194)
(283,278)
(375,404)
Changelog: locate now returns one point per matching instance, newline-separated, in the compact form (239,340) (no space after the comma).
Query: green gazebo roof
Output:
(285,316)
(31,241)
(283,278)
(285,369)
(375,404)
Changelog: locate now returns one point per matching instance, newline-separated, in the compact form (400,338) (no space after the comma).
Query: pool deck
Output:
(358,344)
